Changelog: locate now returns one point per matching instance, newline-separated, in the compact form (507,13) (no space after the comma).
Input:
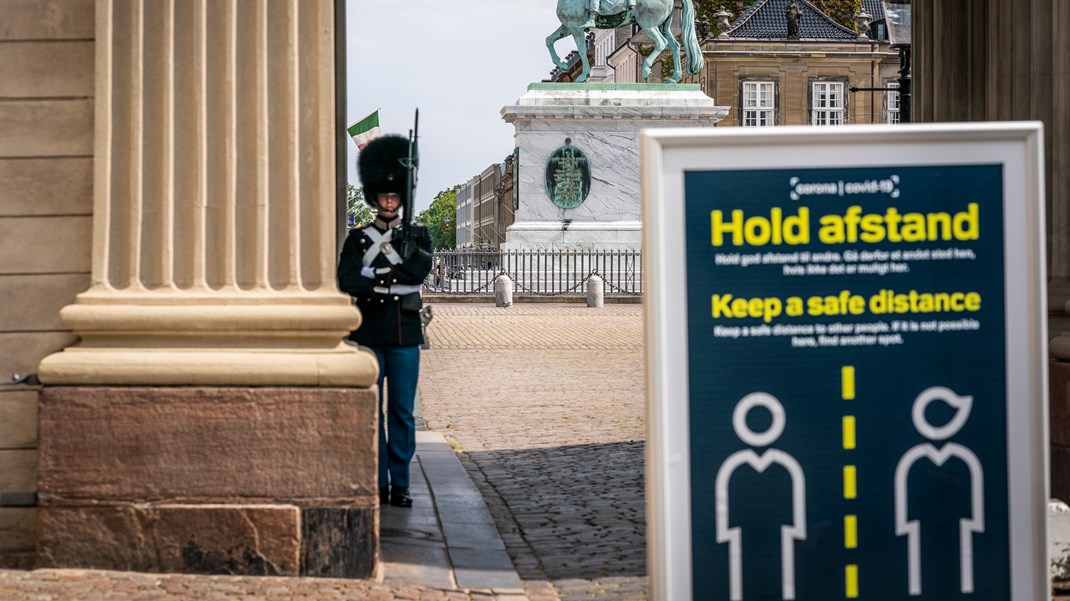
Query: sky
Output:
(459,62)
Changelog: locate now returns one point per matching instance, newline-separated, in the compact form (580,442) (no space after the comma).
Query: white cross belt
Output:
(378,240)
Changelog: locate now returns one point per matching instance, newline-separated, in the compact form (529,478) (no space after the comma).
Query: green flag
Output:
(365,130)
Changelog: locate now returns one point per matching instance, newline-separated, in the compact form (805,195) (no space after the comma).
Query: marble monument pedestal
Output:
(603,122)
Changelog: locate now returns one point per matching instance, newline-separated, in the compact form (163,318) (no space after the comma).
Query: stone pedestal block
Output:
(339,542)
(209,480)
(603,122)
(257,540)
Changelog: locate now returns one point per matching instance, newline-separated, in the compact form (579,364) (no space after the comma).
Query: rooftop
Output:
(765,20)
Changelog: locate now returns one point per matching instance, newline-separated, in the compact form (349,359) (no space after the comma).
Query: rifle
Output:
(404,233)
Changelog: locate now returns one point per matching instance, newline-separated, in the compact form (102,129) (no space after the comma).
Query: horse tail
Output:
(694,53)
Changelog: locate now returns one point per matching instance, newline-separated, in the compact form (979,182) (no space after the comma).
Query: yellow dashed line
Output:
(850,531)
(851,578)
(849,432)
(850,484)
(848,377)
(850,481)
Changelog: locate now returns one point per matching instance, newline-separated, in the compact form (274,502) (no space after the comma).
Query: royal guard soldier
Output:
(383,266)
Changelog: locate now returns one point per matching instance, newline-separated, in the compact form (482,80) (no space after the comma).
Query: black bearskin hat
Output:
(382,170)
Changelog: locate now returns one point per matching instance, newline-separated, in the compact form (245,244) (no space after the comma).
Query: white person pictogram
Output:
(788,533)
(967,526)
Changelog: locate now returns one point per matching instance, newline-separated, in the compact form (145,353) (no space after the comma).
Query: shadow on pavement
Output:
(580,508)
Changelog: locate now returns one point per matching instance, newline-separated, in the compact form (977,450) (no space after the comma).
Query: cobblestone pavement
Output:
(545,402)
(99,585)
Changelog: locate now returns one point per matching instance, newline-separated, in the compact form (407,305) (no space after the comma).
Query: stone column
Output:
(213,261)
(990,60)
(213,252)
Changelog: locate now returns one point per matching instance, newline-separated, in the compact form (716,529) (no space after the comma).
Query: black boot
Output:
(399,497)
(384,495)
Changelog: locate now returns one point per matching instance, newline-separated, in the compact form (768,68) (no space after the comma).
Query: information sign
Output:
(847,363)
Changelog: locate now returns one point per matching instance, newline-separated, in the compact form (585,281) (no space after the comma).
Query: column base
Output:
(255,481)
(191,338)
(250,540)
(344,365)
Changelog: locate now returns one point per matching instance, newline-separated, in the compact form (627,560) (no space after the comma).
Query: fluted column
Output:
(214,229)
(991,60)
(1058,148)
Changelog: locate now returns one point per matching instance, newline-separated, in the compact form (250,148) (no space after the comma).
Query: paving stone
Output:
(546,404)
(426,564)
(472,536)
(461,509)
(99,585)
(484,569)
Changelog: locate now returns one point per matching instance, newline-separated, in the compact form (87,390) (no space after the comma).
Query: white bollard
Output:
(595,290)
(1059,544)
(503,291)
(1059,347)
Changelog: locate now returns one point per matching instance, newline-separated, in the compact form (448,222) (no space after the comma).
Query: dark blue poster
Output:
(848,407)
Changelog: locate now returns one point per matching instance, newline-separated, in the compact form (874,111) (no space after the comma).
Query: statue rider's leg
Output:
(592,12)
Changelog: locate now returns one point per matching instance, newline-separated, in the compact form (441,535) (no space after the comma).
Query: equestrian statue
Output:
(653,16)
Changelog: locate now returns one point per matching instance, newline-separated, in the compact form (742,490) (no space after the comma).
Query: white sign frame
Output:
(665,154)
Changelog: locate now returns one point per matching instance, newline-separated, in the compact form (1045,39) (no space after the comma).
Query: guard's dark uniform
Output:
(382,299)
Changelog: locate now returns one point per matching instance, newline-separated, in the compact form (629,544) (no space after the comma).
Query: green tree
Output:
(709,7)
(358,212)
(441,219)
(841,11)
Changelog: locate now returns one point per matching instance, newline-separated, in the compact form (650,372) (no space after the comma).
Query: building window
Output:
(625,72)
(827,106)
(758,106)
(605,47)
(893,102)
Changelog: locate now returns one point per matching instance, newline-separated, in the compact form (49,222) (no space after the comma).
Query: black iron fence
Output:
(536,272)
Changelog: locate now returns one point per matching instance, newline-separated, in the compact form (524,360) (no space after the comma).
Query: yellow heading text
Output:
(735,228)
(884,302)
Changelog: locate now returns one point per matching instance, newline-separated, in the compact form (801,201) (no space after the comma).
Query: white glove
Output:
(368,272)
